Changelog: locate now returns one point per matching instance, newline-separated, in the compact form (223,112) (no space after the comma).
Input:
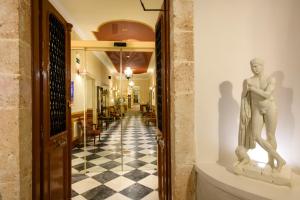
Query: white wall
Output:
(228,33)
(143,84)
(97,75)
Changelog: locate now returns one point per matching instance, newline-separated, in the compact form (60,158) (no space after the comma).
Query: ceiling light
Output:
(131,83)
(128,72)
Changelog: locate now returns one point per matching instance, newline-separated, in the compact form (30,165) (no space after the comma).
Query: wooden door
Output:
(163,103)
(55,95)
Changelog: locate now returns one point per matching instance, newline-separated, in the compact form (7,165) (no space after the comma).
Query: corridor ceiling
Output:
(87,15)
(137,61)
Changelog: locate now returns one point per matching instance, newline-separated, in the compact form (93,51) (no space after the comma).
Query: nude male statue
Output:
(258,109)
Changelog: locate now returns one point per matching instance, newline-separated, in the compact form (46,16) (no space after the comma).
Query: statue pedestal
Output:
(267,174)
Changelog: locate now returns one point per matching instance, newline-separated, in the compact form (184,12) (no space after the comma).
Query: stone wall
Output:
(15,100)
(182,100)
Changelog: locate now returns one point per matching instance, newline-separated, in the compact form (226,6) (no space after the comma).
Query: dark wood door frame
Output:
(37,138)
(36,47)
(168,100)
(164,136)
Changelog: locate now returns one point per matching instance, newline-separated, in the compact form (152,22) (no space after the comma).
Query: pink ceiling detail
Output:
(137,61)
(123,30)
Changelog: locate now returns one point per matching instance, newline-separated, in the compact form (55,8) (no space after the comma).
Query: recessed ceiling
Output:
(123,30)
(137,61)
(88,15)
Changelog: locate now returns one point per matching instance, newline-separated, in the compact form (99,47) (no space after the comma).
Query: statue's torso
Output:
(257,101)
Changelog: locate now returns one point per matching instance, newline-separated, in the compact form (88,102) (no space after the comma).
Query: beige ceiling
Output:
(87,15)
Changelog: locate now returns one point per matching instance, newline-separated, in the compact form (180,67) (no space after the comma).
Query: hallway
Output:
(106,177)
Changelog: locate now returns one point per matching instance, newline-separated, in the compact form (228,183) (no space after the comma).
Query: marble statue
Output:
(258,109)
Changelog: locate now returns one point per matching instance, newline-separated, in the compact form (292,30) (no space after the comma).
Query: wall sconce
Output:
(77,63)
(128,72)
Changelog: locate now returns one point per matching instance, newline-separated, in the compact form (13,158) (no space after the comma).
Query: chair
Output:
(104,118)
(92,129)
(150,116)
(113,112)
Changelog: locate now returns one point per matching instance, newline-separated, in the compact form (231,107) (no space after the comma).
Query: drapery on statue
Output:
(258,109)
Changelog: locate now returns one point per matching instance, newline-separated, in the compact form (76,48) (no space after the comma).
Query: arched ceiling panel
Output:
(123,30)
(137,61)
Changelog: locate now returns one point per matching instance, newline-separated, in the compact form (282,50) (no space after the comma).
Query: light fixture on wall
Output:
(80,70)
(77,63)
(128,72)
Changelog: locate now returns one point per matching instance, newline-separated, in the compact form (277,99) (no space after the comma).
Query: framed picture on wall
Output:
(72,92)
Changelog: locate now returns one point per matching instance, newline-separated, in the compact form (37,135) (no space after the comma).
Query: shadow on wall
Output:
(286,121)
(228,124)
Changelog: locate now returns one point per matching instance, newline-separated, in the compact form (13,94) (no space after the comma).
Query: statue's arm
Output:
(267,92)
(245,88)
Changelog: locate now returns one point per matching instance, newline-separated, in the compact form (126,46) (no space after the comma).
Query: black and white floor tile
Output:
(102,175)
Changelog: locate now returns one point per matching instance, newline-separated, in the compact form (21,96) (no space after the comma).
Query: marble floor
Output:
(103,176)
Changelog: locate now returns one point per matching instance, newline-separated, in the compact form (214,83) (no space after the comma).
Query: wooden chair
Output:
(105,119)
(92,129)
(149,116)
(113,112)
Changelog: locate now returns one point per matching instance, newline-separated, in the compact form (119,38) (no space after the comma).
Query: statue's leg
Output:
(271,123)
(257,124)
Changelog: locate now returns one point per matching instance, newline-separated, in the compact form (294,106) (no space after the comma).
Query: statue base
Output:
(267,174)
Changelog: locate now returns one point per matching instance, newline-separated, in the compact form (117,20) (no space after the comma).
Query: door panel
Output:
(55,97)
(163,113)
(159,100)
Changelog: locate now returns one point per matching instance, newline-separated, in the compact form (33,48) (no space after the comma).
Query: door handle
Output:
(158,137)
(161,143)
(160,140)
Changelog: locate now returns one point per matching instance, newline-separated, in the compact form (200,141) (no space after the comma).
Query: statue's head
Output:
(257,66)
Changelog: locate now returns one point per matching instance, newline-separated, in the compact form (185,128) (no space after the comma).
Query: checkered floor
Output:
(106,177)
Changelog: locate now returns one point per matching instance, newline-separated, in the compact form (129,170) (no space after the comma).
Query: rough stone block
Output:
(183,77)
(183,17)
(9,19)
(25,93)
(9,53)
(10,190)
(183,46)
(25,21)
(9,90)
(185,183)
(25,59)
(9,168)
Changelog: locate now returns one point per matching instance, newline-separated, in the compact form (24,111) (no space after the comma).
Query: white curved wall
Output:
(228,33)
